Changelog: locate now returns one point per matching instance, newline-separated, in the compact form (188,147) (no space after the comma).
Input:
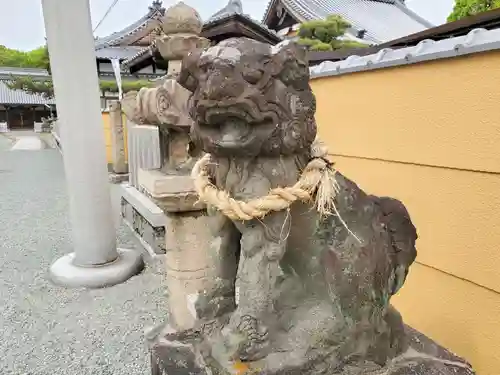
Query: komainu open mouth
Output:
(234,125)
(217,116)
(234,132)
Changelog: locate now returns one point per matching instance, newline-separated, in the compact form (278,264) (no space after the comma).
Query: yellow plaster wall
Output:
(107,136)
(429,134)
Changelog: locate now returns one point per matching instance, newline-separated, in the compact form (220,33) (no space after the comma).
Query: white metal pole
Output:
(95,261)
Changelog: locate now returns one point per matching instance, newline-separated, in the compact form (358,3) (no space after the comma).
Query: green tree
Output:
(37,58)
(29,85)
(466,8)
(323,35)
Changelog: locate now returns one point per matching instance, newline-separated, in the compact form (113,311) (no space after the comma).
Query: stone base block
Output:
(144,218)
(177,203)
(183,353)
(190,267)
(171,356)
(171,193)
(64,272)
(159,184)
(118,178)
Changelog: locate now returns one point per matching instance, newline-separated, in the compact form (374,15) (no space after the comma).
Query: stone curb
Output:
(118,178)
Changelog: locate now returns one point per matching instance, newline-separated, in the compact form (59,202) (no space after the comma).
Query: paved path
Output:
(5,142)
(50,330)
(31,142)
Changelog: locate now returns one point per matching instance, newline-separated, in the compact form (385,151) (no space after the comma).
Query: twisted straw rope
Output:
(317,180)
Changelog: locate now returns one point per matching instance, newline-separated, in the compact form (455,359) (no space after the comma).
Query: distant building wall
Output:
(429,135)
(107,136)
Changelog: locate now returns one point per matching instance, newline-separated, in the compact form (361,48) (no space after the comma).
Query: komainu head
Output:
(250,98)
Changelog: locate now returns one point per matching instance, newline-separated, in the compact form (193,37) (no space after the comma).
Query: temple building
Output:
(21,110)
(125,44)
(18,109)
(372,21)
(230,21)
(134,49)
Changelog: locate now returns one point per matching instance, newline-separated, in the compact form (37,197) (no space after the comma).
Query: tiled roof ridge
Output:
(140,53)
(271,3)
(245,16)
(155,12)
(382,20)
(22,69)
(14,96)
(232,7)
(235,7)
(477,40)
(401,5)
(37,74)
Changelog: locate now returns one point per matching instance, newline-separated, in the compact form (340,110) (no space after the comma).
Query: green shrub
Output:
(323,35)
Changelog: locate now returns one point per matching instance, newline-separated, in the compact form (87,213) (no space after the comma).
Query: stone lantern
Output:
(170,186)
(181,26)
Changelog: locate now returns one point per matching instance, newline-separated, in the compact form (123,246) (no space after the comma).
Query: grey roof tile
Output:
(477,40)
(383,20)
(248,18)
(9,96)
(233,7)
(155,12)
(117,36)
(145,50)
(122,52)
(7,71)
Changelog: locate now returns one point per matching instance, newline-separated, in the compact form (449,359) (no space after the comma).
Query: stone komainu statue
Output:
(296,291)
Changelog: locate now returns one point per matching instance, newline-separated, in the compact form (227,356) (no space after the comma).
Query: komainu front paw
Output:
(212,327)
(257,339)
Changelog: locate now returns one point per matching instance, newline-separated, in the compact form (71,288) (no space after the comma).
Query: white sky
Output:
(21,22)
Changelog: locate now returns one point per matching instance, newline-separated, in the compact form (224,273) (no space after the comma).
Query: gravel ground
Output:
(50,330)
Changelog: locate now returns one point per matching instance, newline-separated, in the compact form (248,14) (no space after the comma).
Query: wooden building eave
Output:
(234,25)
(138,33)
(237,25)
(279,15)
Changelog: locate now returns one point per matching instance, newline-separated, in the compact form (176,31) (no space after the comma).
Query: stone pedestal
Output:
(183,353)
(139,212)
(172,193)
(143,150)
(117,138)
(188,266)
(145,219)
